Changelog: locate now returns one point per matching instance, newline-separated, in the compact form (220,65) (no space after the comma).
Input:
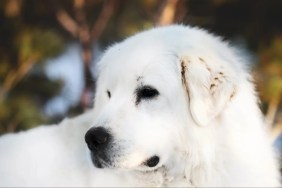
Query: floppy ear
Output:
(209,88)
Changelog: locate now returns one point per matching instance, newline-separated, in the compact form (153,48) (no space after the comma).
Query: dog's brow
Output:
(139,78)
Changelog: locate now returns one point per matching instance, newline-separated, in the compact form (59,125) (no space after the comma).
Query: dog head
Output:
(157,94)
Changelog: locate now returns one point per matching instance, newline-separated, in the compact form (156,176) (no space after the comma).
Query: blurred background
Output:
(48,50)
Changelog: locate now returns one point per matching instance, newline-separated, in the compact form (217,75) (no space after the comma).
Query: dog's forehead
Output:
(150,47)
(138,58)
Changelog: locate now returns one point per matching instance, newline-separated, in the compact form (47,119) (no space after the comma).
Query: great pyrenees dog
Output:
(174,106)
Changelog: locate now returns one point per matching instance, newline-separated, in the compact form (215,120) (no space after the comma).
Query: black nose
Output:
(97,138)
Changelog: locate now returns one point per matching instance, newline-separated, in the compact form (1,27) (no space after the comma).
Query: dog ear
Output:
(208,88)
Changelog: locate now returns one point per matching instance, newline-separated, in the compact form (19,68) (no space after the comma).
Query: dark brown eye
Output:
(109,93)
(146,92)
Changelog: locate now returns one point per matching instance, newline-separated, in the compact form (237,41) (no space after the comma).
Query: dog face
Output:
(138,111)
(156,93)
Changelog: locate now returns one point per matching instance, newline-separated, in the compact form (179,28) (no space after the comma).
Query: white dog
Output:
(174,106)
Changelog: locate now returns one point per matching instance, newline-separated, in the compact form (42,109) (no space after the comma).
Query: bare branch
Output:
(79,4)
(276,131)
(67,22)
(13,8)
(15,76)
(272,110)
(105,14)
(167,14)
(80,29)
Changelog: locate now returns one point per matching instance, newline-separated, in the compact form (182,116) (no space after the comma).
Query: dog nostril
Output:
(153,161)
(97,137)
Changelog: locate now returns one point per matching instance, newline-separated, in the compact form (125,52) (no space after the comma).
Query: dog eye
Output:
(146,92)
(109,93)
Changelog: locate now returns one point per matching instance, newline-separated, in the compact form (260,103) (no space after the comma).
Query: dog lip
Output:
(147,170)
(99,162)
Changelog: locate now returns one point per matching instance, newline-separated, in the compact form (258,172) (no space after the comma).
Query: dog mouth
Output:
(149,164)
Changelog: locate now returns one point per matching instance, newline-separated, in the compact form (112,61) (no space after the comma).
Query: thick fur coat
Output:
(176,107)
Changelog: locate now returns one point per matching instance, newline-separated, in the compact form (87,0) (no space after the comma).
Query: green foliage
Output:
(24,88)
(45,43)
(19,111)
(270,70)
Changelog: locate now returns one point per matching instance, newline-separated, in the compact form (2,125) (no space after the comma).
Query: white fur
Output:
(205,125)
